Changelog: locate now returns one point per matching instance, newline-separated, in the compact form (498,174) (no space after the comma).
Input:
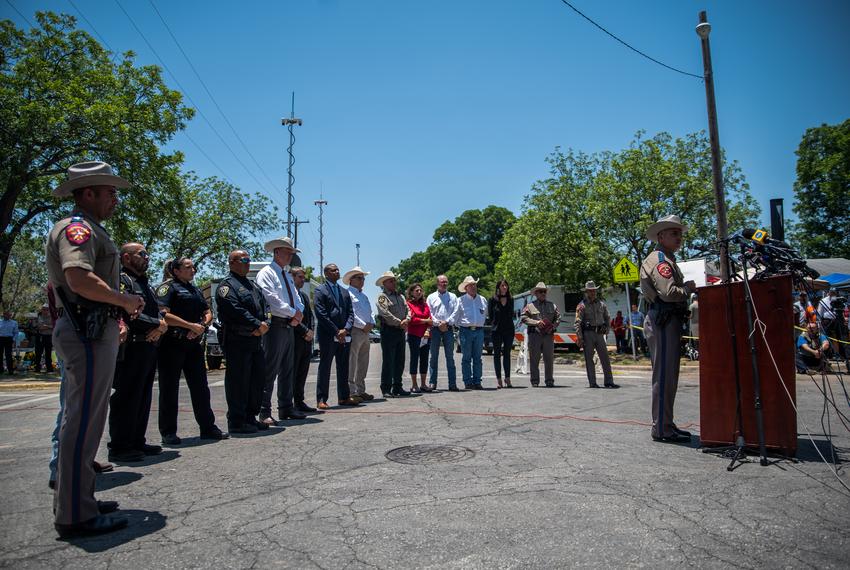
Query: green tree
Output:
(596,208)
(26,276)
(822,192)
(467,245)
(62,101)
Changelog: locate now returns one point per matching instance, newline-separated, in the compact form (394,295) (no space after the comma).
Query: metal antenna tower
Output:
(321,204)
(290,199)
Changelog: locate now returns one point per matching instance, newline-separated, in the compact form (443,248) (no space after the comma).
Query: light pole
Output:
(703,30)
(290,199)
(357,245)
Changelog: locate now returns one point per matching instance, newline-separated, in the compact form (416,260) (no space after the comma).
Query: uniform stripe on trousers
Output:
(663,376)
(81,433)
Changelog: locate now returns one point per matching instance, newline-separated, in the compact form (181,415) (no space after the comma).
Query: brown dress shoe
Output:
(323,406)
(104,467)
(349,402)
(366,397)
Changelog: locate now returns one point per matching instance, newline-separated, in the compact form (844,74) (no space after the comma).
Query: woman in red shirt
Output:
(418,336)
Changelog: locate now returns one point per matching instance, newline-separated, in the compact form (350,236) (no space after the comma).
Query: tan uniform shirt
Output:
(537,310)
(78,241)
(661,278)
(392,308)
(593,314)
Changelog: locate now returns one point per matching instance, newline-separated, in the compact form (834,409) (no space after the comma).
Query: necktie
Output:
(335,289)
(288,291)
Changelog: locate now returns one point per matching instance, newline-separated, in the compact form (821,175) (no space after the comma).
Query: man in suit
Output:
(303,343)
(335,319)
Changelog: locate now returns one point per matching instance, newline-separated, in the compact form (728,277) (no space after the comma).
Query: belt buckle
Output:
(473,328)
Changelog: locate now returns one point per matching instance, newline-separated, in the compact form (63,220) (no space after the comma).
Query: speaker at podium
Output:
(722,310)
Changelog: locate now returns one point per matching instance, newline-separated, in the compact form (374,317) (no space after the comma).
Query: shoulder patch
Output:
(665,270)
(78,232)
(223,290)
(162,290)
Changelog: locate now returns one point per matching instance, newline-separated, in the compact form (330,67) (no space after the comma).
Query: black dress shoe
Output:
(292,415)
(682,431)
(675,438)
(550,384)
(214,433)
(148,449)
(477,387)
(171,439)
(388,395)
(612,385)
(454,389)
(128,456)
(51,484)
(98,525)
(594,386)
(535,384)
(106,507)
(302,407)
(261,426)
(401,393)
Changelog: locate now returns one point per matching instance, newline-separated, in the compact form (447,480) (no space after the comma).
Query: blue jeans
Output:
(54,439)
(447,341)
(471,345)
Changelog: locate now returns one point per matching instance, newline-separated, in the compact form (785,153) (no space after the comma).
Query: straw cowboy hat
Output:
(665,223)
(356,270)
(468,280)
(280,242)
(386,275)
(590,286)
(538,287)
(86,174)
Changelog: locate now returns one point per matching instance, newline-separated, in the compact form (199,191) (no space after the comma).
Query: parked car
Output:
(214,352)
(374,335)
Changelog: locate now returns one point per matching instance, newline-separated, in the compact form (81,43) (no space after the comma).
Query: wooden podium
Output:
(772,298)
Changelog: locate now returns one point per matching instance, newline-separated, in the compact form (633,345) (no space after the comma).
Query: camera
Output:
(838,303)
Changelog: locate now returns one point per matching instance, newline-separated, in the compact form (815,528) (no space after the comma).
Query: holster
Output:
(88,318)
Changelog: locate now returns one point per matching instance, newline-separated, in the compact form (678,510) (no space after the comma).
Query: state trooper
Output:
(663,285)
(82,264)
(541,317)
(592,320)
(244,316)
(130,403)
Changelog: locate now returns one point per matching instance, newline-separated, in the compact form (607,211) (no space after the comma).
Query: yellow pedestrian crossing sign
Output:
(625,271)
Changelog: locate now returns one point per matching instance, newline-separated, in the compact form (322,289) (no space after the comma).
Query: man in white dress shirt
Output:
(443,305)
(285,305)
(471,314)
(364,321)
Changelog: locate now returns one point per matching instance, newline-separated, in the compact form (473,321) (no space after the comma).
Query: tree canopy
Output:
(468,245)
(595,208)
(822,192)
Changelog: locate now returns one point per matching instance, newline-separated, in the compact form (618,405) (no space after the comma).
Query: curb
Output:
(35,385)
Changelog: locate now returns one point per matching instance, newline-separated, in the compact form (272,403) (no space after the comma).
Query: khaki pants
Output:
(89,371)
(358,361)
(596,341)
(541,344)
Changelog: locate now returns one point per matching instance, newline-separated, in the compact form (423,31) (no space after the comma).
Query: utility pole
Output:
(703,30)
(296,223)
(321,204)
(357,245)
(290,199)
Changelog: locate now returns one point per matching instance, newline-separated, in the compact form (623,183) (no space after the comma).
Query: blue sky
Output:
(415,112)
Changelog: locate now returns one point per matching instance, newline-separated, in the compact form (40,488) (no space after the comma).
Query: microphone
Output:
(760,237)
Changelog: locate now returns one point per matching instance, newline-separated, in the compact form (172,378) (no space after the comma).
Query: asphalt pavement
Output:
(520,478)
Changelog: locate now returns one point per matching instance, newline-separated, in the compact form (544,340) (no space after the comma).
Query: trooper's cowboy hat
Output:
(468,280)
(384,276)
(540,286)
(665,223)
(87,174)
(280,242)
(356,270)
(590,286)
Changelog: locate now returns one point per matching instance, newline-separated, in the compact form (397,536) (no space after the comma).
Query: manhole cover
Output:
(427,454)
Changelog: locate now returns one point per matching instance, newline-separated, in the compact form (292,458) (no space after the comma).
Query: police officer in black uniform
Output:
(130,403)
(182,350)
(245,319)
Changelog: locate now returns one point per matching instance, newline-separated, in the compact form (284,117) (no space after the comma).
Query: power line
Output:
(27,20)
(200,112)
(212,98)
(100,37)
(634,49)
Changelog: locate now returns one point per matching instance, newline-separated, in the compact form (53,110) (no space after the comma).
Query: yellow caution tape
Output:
(829,337)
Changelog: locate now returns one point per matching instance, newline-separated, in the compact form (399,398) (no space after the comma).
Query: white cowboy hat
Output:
(87,174)
(539,286)
(384,276)
(356,270)
(280,242)
(665,223)
(590,286)
(466,281)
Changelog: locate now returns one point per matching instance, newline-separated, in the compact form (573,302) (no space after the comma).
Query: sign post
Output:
(626,272)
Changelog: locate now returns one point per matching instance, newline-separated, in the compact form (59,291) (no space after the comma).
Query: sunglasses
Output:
(244,260)
(143,254)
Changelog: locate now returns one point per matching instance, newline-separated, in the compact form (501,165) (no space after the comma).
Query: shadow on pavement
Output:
(281,424)
(806,451)
(142,523)
(194,442)
(106,481)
